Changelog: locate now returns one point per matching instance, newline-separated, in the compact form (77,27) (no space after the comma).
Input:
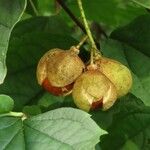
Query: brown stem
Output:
(75,19)
(69,12)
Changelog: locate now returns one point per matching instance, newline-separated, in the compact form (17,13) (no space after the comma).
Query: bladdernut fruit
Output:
(58,69)
(118,74)
(94,90)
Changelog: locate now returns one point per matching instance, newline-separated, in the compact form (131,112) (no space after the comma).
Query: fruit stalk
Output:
(82,41)
(94,48)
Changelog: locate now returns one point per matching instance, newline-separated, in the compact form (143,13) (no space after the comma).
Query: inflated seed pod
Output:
(58,69)
(118,74)
(94,90)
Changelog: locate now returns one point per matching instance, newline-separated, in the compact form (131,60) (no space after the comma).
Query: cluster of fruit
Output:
(62,72)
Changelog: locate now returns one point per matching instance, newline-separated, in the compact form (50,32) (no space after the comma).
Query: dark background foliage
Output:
(28,29)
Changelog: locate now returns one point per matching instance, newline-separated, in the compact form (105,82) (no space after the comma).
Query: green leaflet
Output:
(67,128)
(10,13)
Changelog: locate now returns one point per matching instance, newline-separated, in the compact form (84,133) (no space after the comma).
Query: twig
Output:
(75,19)
(69,12)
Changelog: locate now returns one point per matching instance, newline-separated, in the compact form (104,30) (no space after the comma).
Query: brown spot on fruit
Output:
(56,90)
(97,104)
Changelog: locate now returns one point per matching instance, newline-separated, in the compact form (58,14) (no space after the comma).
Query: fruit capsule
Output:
(117,73)
(58,69)
(94,90)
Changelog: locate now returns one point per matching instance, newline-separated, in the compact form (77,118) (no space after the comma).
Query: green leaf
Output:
(135,34)
(43,8)
(105,118)
(130,128)
(129,145)
(29,8)
(27,45)
(46,7)
(51,25)
(31,110)
(111,12)
(144,3)
(138,63)
(64,128)
(49,102)
(10,13)
(67,128)
(11,133)
(6,104)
